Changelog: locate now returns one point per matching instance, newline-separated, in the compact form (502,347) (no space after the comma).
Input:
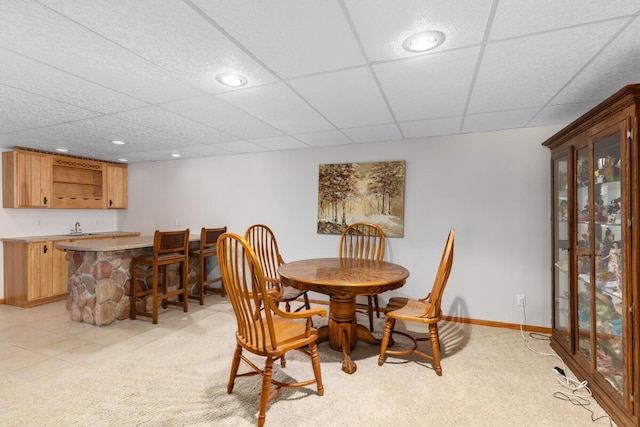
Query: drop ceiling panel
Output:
(223,116)
(241,147)
(428,86)
(296,37)
(38,32)
(498,120)
(561,114)
(374,133)
(167,33)
(529,71)
(432,127)
(323,139)
(280,107)
(619,63)
(172,124)
(516,18)
(383,26)
(40,79)
(23,110)
(348,98)
(279,143)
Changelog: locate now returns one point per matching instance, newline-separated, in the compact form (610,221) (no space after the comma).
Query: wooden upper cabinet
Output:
(26,180)
(116,187)
(46,180)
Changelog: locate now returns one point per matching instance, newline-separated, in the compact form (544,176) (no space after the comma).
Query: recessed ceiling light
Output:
(176,155)
(123,160)
(421,42)
(117,142)
(232,80)
(62,150)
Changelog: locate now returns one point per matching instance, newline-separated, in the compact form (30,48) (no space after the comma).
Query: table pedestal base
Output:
(343,331)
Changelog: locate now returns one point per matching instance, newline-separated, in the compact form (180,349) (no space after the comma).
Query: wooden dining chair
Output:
(363,240)
(264,244)
(262,328)
(206,250)
(425,310)
(169,247)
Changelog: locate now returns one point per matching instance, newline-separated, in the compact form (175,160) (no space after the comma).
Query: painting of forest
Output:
(355,192)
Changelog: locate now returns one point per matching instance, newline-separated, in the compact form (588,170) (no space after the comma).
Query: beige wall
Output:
(492,187)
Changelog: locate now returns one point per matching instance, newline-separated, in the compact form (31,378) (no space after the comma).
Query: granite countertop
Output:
(84,236)
(117,244)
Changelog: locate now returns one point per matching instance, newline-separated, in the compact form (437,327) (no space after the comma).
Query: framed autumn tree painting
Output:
(354,192)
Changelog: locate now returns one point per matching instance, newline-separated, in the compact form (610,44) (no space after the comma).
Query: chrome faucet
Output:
(77,229)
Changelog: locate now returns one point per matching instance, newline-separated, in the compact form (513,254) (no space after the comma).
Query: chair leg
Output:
(386,336)
(370,311)
(377,305)
(435,347)
(266,390)
(306,301)
(235,364)
(132,291)
(154,296)
(203,276)
(185,285)
(315,362)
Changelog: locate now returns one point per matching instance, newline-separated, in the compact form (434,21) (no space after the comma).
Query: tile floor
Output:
(42,344)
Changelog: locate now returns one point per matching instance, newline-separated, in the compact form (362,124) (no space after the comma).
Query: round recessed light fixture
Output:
(176,155)
(232,80)
(423,41)
(117,142)
(123,160)
(61,150)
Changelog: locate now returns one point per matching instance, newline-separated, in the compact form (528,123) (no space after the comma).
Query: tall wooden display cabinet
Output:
(595,269)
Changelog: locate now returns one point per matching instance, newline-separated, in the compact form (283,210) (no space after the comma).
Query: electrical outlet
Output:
(521,300)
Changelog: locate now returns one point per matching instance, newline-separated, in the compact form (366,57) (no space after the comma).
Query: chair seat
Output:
(148,259)
(409,309)
(206,252)
(289,334)
(289,293)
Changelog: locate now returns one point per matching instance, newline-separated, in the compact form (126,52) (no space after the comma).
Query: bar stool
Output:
(169,247)
(208,248)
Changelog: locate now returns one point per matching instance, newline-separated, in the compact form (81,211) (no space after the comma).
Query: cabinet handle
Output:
(45,249)
(110,202)
(45,200)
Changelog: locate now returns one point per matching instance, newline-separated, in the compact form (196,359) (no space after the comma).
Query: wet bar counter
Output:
(99,276)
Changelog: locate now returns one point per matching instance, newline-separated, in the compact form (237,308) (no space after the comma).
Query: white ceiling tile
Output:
(58,42)
(223,116)
(428,86)
(280,107)
(40,79)
(561,114)
(432,127)
(22,110)
(205,151)
(528,71)
(279,143)
(296,37)
(383,26)
(516,18)
(497,120)
(323,139)
(374,133)
(241,147)
(172,124)
(348,98)
(590,85)
(171,35)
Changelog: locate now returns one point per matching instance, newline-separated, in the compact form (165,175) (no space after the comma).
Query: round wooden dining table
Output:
(343,279)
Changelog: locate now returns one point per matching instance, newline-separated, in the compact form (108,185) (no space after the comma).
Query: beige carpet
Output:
(490,378)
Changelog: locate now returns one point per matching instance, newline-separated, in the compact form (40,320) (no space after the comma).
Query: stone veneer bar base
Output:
(99,284)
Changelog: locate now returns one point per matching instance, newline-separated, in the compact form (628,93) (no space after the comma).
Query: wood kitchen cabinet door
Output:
(26,180)
(116,187)
(40,262)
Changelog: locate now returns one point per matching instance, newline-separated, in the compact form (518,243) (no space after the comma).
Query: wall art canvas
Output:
(354,192)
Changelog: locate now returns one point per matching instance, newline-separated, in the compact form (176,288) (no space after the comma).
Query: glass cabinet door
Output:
(562,302)
(584,229)
(609,238)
